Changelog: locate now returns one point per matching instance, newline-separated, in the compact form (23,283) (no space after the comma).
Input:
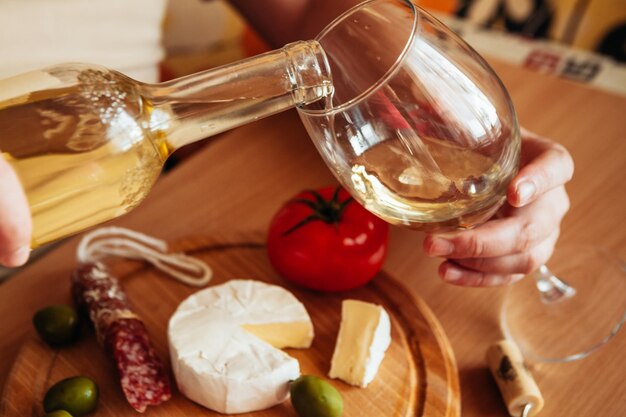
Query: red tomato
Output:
(326,241)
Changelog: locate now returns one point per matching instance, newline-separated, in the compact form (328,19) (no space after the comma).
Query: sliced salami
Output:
(123,334)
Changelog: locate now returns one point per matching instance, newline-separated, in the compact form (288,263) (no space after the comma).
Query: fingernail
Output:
(16,258)
(497,280)
(452,274)
(440,247)
(525,192)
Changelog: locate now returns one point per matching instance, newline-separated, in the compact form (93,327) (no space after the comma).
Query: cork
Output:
(516,384)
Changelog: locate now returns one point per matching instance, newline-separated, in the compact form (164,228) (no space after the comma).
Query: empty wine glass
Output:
(572,317)
(422,132)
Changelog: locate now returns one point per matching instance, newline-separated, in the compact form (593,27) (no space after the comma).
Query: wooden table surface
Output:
(239,180)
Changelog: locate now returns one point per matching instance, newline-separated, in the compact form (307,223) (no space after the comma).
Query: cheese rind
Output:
(364,336)
(223,345)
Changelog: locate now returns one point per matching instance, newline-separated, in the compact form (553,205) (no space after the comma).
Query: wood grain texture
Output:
(240,179)
(418,376)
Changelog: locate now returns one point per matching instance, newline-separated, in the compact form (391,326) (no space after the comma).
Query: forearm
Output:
(283,21)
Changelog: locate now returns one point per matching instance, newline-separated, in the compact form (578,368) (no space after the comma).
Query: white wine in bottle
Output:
(88,143)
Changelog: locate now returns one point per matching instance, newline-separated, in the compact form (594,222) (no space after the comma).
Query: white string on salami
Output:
(126,243)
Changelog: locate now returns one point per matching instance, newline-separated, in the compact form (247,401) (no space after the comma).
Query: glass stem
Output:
(210,102)
(551,288)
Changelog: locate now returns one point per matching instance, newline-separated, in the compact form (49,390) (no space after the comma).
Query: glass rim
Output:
(391,71)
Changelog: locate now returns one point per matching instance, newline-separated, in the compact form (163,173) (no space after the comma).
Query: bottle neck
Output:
(191,108)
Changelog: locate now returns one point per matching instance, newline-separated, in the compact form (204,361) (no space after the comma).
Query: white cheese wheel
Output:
(224,345)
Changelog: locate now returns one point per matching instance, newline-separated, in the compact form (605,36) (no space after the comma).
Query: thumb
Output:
(545,165)
(15,221)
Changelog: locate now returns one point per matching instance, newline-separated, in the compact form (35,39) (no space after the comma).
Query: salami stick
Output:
(142,375)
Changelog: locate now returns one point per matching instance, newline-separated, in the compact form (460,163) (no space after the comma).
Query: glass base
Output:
(573,327)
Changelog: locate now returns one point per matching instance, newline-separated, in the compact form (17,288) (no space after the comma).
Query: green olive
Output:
(313,397)
(77,395)
(58,413)
(57,324)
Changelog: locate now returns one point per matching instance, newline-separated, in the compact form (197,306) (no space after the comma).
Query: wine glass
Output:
(422,133)
(564,323)
(418,128)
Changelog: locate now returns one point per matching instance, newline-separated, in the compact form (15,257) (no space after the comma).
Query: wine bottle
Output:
(88,143)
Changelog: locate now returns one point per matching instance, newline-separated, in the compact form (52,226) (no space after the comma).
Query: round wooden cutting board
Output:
(418,376)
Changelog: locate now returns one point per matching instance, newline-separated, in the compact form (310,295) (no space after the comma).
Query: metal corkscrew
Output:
(517,386)
(526,411)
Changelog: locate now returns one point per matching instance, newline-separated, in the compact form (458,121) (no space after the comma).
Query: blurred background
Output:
(582,40)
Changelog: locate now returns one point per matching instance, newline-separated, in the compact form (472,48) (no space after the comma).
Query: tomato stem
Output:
(329,211)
